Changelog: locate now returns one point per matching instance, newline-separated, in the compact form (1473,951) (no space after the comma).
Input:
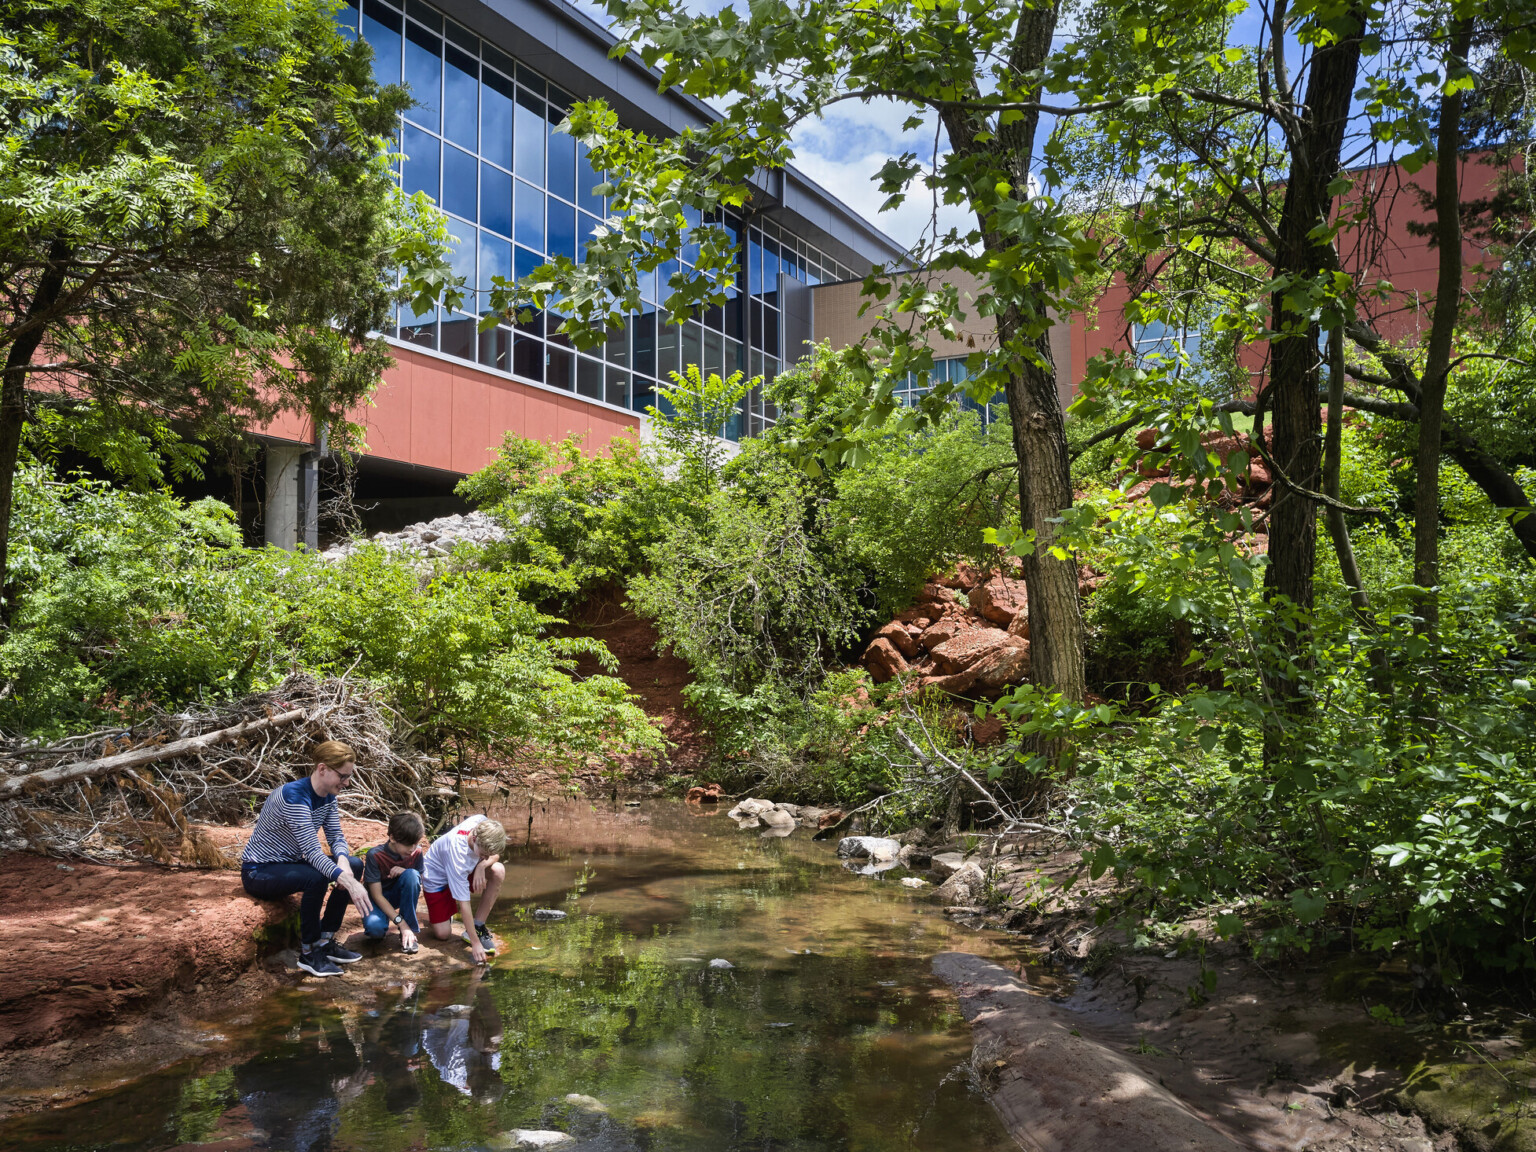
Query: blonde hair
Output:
(333,754)
(490,838)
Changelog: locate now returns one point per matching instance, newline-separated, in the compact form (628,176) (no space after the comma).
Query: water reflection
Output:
(827,1032)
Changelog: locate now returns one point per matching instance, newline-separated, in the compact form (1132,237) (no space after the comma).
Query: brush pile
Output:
(141,792)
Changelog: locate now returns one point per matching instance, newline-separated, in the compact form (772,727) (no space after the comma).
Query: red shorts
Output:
(441,906)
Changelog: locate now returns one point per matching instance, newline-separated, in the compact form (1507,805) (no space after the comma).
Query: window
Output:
(482,141)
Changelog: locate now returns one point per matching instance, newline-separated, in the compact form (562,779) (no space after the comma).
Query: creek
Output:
(828,1030)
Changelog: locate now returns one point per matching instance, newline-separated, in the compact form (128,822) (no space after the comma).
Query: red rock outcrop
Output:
(902,640)
(883,661)
(999,599)
(969,648)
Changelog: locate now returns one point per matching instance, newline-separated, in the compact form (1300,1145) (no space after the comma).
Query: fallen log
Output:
(14,786)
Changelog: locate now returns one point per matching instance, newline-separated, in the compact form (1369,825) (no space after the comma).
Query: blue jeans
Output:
(403,892)
(271,881)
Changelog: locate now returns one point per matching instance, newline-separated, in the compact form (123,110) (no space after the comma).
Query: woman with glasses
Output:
(284,856)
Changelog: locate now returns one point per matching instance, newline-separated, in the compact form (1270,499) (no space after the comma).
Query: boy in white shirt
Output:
(465,862)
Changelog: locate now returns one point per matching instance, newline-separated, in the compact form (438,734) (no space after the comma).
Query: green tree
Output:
(982,69)
(198,218)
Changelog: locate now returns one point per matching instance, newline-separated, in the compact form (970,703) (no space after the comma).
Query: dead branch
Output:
(83,770)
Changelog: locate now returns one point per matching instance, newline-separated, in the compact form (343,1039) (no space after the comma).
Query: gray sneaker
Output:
(486,940)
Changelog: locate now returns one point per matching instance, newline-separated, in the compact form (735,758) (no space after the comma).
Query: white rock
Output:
(913,882)
(776,818)
(721,964)
(586,1103)
(750,808)
(875,847)
(535,1138)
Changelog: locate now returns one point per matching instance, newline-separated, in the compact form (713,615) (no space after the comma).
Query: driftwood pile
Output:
(141,792)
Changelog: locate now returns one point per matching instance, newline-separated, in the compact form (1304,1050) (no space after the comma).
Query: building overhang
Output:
(574,51)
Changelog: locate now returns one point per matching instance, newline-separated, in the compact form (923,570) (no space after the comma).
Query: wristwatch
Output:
(397,919)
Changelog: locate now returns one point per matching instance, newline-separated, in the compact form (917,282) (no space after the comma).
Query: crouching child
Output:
(392,874)
(463,863)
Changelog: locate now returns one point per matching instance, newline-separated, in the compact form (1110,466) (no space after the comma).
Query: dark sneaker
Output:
(341,955)
(317,963)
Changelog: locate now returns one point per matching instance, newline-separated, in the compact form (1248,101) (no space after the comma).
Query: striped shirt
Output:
(285,829)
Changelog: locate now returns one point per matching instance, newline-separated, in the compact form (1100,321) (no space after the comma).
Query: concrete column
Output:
(309,500)
(281,511)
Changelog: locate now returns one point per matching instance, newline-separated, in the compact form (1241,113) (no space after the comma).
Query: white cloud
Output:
(845,150)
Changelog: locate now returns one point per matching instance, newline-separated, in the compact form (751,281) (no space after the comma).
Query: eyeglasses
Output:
(343,776)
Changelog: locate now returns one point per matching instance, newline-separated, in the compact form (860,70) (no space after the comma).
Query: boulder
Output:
(874,847)
(831,818)
(899,638)
(956,685)
(943,630)
(911,856)
(934,593)
(945,864)
(720,964)
(913,882)
(960,652)
(920,615)
(750,807)
(883,660)
(708,794)
(998,600)
(964,887)
(792,809)
(777,818)
(585,1103)
(1005,667)
(1020,625)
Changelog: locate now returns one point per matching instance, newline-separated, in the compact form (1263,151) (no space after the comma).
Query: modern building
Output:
(492,80)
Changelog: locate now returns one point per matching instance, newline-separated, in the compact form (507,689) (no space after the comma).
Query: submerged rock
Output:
(534,1138)
(548,914)
(585,1102)
(721,964)
(913,882)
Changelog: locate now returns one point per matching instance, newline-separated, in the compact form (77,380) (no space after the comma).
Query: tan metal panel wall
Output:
(837,321)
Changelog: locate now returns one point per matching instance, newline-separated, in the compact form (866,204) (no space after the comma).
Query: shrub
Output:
(125,599)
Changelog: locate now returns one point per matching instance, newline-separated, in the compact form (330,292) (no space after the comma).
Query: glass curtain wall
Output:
(481,142)
(949,370)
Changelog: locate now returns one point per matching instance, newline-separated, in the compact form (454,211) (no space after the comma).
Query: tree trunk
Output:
(1442,332)
(13,393)
(1295,366)
(1045,490)
(1333,451)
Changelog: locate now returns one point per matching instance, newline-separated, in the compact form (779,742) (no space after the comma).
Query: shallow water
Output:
(829,1031)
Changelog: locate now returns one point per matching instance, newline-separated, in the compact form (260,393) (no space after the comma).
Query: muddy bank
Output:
(108,971)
